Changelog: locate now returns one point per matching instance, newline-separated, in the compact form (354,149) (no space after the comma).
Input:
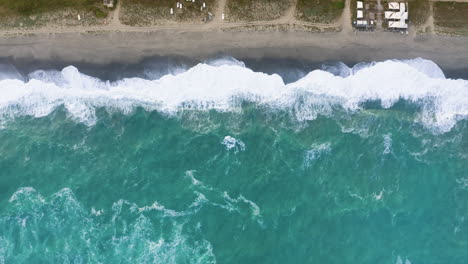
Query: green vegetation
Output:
(33,7)
(256,10)
(452,17)
(42,13)
(98,12)
(418,11)
(320,11)
(150,12)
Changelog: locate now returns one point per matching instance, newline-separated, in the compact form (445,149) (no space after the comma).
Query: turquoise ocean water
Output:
(218,163)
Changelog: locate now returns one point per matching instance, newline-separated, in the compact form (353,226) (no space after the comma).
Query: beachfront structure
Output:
(397,25)
(364,17)
(397,15)
(394,6)
(361,23)
(402,7)
(108,3)
(360,5)
(360,14)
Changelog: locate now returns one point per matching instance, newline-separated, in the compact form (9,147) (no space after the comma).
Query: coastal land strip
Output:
(449,52)
(285,37)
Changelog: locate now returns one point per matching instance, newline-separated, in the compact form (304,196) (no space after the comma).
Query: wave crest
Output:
(224,85)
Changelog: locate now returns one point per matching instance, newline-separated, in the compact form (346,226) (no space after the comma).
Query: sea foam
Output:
(124,232)
(233,143)
(224,85)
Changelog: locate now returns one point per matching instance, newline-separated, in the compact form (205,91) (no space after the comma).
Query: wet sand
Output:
(450,53)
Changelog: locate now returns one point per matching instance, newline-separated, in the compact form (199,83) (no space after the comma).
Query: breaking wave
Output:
(224,84)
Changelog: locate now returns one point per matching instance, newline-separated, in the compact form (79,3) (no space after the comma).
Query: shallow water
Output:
(217,163)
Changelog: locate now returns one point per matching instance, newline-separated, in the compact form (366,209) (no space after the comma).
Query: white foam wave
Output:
(226,60)
(223,200)
(7,71)
(444,101)
(233,143)
(131,234)
(387,141)
(425,67)
(400,260)
(6,249)
(315,152)
(25,193)
(165,212)
(463,183)
(222,85)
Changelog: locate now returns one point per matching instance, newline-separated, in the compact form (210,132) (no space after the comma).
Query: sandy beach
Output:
(283,38)
(448,52)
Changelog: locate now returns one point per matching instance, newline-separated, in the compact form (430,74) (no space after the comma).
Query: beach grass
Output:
(320,11)
(33,7)
(256,10)
(418,11)
(55,13)
(451,16)
(150,12)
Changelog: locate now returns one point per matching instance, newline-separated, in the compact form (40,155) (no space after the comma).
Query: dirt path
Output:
(115,22)
(430,20)
(113,27)
(346,18)
(290,16)
(218,15)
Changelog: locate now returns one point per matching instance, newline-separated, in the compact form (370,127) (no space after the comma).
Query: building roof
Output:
(392,15)
(360,14)
(393,6)
(397,24)
(404,16)
(396,15)
(361,23)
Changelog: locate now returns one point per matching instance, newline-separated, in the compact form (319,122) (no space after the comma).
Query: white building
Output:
(360,5)
(393,6)
(397,16)
(108,3)
(360,14)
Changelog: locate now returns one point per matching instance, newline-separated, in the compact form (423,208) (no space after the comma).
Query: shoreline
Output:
(449,52)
